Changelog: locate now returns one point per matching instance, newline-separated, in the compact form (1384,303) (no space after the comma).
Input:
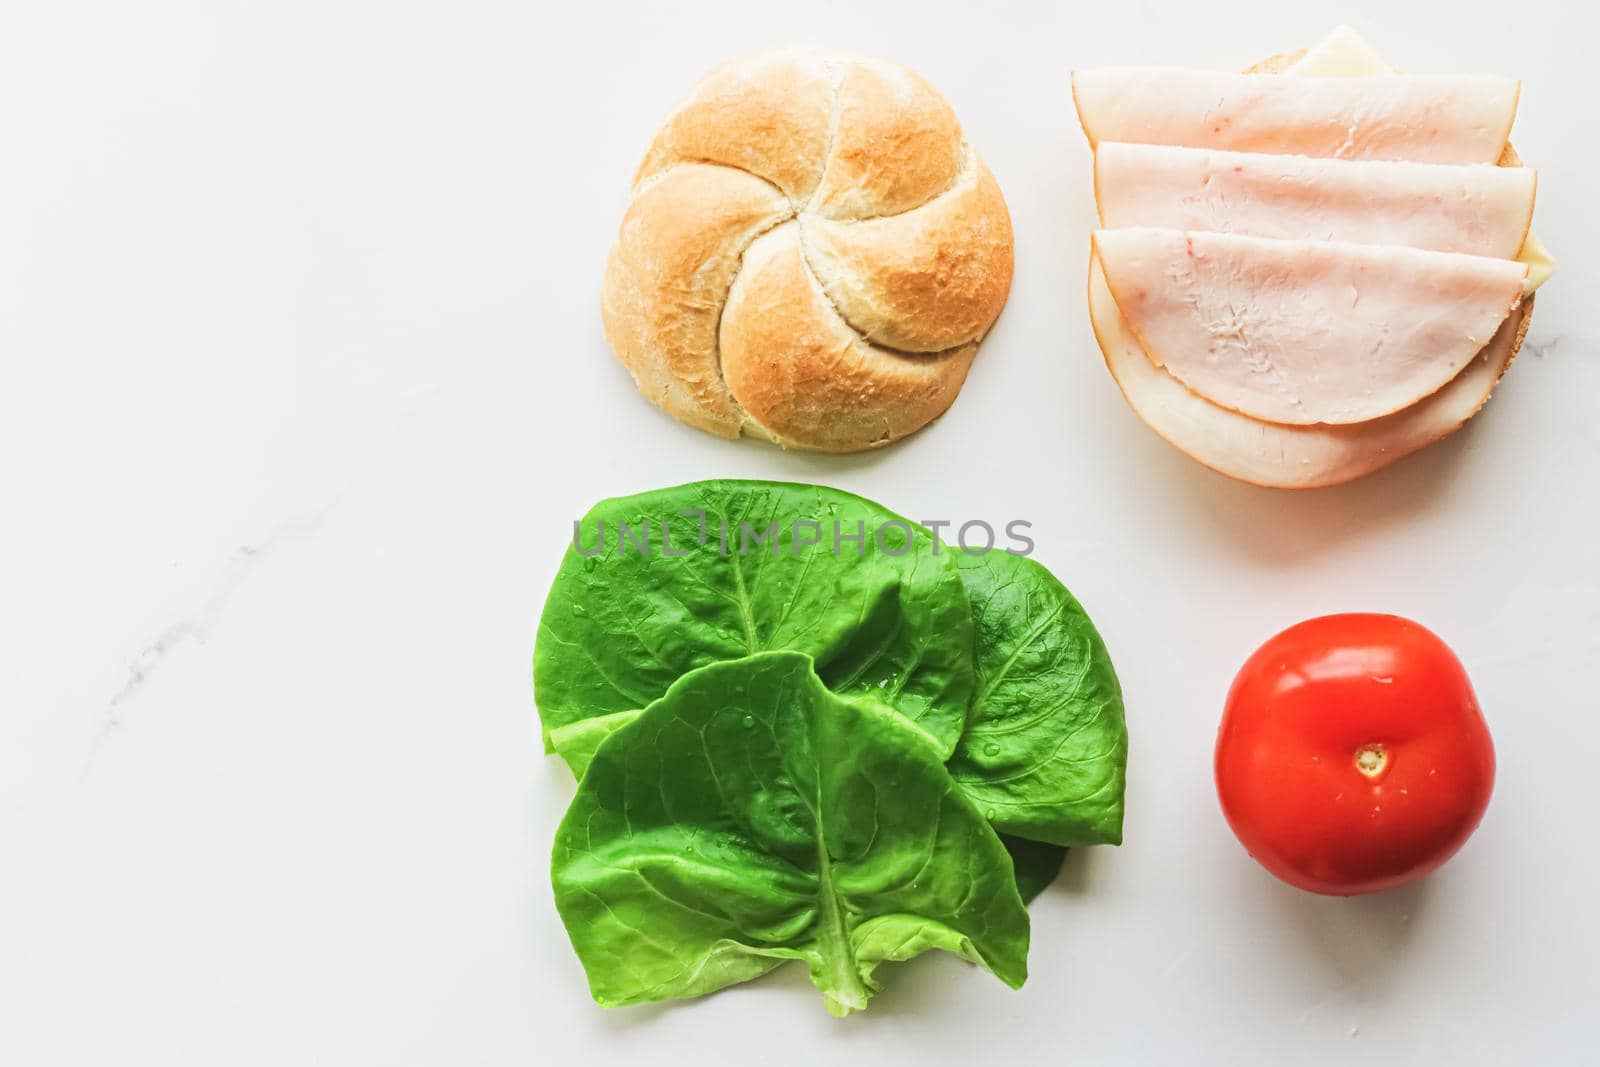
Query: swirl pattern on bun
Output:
(812,254)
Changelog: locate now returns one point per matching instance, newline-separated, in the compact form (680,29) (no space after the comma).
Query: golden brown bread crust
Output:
(805,377)
(767,113)
(883,244)
(896,144)
(689,226)
(1277,64)
(893,278)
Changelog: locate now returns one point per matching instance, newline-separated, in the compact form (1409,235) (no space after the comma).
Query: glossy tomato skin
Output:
(1352,755)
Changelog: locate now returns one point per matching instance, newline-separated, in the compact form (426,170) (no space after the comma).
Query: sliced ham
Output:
(1481,210)
(1305,332)
(1425,119)
(1294,457)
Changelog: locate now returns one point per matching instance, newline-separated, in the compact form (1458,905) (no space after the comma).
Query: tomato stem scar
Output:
(1371,759)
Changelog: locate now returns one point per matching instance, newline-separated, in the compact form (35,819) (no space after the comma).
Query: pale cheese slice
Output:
(1344,53)
(1481,210)
(1305,332)
(1422,118)
(1541,264)
(1289,457)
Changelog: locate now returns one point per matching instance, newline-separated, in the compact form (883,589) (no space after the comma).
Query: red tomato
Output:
(1352,755)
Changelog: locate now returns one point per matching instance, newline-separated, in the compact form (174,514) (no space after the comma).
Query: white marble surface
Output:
(304,383)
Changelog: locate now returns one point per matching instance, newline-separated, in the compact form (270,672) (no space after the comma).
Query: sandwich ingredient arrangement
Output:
(805,728)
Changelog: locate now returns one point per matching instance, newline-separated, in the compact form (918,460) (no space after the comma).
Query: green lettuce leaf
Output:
(751,816)
(1035,864)
(1045,751)
(889,618)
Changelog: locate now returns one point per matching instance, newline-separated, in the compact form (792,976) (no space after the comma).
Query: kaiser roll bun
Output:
(812,254)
